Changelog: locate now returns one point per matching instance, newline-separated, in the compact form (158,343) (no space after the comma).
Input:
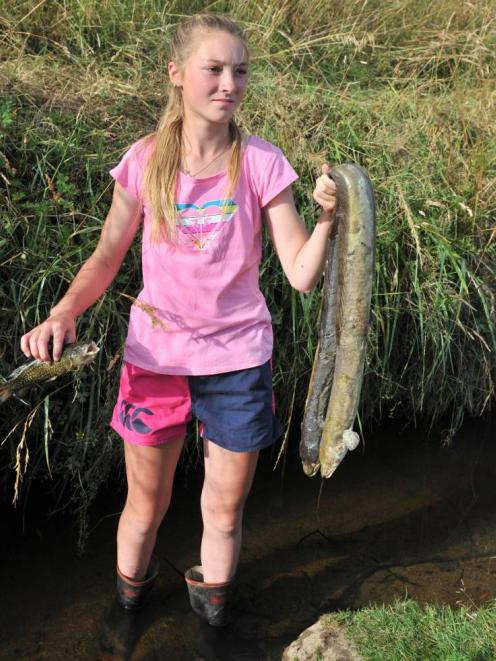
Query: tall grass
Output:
(405,88)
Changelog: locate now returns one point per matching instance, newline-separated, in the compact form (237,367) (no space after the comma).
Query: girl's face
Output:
(214,77)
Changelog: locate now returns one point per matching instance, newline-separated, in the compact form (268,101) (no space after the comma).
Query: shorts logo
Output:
(130,419)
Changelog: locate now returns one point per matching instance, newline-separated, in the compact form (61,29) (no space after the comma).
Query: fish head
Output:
(349,441)
(309,468)
(327,468)
(82,354)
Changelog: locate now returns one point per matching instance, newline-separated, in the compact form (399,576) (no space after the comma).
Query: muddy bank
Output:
(402,516)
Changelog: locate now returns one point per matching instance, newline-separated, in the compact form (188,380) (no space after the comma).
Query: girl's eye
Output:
(240,72)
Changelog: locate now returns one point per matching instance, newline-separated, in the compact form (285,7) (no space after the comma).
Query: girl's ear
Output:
(174,74)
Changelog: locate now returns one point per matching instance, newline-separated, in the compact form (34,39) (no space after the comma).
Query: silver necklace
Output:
(188,171)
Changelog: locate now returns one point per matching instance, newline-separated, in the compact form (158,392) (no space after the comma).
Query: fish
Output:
(319,389)
(337,373)
(73,357)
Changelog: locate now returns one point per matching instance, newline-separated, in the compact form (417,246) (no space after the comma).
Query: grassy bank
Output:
(405,631)
(404,88)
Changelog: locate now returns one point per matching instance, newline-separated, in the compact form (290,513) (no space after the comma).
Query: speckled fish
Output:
(338,366)
(73,357)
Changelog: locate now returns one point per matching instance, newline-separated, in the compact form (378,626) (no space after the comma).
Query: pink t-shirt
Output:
(201,310)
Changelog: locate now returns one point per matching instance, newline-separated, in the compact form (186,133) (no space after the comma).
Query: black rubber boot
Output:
(210,601)
(132,594)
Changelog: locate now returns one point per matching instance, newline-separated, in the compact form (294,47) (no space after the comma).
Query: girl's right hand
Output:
(61,328)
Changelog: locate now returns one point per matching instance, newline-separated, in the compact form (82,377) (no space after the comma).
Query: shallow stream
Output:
(402,516)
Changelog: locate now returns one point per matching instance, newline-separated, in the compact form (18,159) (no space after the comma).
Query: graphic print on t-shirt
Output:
(201,226)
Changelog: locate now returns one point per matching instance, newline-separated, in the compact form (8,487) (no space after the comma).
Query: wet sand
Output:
(402,516)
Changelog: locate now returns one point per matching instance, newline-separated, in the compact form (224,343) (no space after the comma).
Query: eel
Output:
(337,372)
(319,389)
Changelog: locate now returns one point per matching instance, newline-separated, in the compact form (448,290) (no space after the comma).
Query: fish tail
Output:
(5,393)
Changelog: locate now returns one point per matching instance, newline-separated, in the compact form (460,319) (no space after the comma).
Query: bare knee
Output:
(224,517)
(150,475)
(145,517)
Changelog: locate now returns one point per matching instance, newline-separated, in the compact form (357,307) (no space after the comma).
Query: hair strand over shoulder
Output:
(161,172)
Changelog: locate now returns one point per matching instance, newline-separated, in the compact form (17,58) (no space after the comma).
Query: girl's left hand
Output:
(325,191)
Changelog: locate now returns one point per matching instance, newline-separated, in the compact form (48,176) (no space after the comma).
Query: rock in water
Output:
(326,642)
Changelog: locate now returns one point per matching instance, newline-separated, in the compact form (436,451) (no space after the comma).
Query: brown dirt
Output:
(403,516)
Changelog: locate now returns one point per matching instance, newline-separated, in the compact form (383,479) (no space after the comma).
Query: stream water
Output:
(402,516)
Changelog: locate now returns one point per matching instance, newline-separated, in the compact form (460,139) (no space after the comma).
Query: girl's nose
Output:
(228,81)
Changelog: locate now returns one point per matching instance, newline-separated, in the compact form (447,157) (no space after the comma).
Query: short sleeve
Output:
(129,171)
(272,174)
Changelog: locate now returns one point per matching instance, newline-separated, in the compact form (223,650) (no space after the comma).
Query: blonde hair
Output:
(161,172)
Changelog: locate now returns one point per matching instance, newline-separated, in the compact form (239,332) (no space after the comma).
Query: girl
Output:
(200,339)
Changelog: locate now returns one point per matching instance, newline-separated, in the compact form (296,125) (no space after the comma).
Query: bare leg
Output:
(228,479)
(150,474)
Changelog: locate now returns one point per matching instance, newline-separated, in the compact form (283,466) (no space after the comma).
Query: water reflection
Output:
(229,643)
(121,631)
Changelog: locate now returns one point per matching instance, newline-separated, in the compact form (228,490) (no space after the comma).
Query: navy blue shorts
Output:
(235,409)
